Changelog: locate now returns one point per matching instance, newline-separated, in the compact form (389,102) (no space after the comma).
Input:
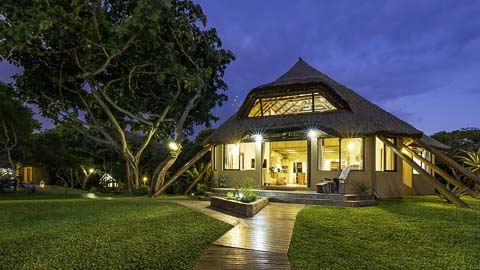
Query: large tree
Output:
(125,69)
(16,124)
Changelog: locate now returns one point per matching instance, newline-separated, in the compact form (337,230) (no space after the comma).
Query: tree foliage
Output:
(16,124)
(115,70)
(467,139)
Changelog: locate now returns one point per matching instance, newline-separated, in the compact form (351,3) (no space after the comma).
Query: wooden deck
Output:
(270,230)
(310,197)
(220,257)
(260,242)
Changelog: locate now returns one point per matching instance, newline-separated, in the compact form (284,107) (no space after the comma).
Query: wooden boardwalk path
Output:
(260,242)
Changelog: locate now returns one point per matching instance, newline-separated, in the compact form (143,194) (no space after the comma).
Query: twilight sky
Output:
(419,60)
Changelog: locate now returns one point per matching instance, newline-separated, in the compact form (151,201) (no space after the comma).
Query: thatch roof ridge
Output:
(434,143)
(361,117)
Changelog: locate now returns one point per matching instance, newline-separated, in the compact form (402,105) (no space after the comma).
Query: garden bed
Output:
(241,208)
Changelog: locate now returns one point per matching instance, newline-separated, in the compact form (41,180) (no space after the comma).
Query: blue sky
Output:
(419,60)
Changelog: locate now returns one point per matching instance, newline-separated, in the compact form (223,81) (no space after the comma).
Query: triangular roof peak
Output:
(301,70)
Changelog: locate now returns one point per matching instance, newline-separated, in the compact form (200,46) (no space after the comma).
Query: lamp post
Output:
(145,180)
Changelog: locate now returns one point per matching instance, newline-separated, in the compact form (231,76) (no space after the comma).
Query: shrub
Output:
(361,187)
(201,188)
(221,181)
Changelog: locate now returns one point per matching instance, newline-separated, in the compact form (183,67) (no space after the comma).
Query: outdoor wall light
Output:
(258,137)
(173,146)
(312,133)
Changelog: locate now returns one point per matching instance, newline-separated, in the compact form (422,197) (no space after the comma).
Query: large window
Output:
(231,157)
(352,153)
(239,156)
(292,104)
(385,159)
(329,154)
(336,154)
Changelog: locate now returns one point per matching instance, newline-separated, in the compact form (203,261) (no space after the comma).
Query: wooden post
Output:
(198,178)
(442,173)
(430,179)
(450,162)
(183,169)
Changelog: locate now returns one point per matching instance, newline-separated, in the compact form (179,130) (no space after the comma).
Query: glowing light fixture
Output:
(258,137)
(236,149)
(173,146)
(91,170)
(312,133)
(144,180)
(42,184)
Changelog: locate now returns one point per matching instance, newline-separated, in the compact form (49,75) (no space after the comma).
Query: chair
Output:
(336,184)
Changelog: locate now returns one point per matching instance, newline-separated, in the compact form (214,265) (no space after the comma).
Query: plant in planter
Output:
(244,193)
(242,201)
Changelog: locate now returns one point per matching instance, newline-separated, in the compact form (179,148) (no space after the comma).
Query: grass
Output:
(103,234)
(51,192)
(413,233)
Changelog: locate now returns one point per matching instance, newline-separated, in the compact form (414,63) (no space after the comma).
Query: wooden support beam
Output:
(450,162)
(430,179)
(442,173)
(198,178)
(184,168)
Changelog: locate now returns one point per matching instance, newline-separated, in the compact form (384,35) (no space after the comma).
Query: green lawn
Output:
(103,234)
(413,233)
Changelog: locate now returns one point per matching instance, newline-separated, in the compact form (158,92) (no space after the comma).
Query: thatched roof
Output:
(434,143)
(355,116)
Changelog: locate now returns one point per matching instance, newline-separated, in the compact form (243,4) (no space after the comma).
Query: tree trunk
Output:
(160,173)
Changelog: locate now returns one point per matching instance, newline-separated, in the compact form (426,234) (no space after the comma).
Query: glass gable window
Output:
(292,104)
(335,154)
(239,156)
(385,159)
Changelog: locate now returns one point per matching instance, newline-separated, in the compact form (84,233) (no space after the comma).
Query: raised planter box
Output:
(241,208)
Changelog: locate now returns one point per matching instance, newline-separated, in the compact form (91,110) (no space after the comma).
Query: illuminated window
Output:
(352,153)
(329,154)
(247,156)
(336,154)
(239,156)
(426,155)
(231,157)
(214,157)
(385,159)
(292,104)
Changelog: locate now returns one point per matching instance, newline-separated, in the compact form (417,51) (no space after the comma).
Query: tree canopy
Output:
(122,69)
(463,139)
